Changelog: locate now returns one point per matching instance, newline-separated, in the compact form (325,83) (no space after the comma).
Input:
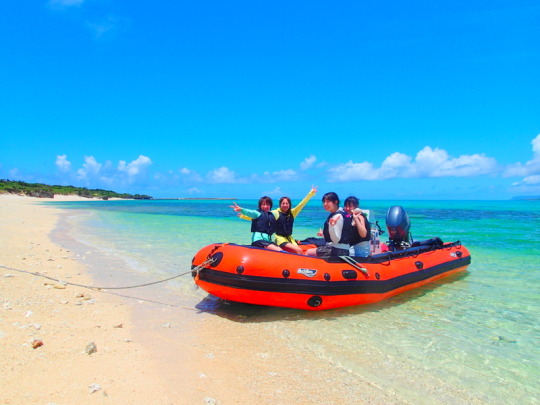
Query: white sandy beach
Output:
(163,355)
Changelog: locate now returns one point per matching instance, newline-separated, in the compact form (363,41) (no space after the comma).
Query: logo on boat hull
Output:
(307,272)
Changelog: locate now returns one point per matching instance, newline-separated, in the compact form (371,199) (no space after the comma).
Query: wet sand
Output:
(147,353)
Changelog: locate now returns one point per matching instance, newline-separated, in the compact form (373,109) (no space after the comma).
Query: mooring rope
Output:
(94,287)
(104,289)
(197,269)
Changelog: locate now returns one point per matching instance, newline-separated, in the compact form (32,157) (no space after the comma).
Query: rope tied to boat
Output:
(100,288)
(104,290)
(201,266)
(209,260)
(94,287)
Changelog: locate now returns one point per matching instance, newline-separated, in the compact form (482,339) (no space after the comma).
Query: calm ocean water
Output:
(470,338)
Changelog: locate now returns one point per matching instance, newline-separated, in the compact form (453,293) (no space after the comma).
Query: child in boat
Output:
(285,216)
(263,223)
(337,231)
(360,242)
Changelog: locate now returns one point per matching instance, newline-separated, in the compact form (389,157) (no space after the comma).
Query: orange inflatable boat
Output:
(263,277)
(258,276)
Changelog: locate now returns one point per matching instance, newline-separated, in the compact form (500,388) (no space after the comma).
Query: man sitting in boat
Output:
(263,223)
(338,230)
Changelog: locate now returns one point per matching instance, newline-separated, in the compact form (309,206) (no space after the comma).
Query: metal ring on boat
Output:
(216,259)
(240,269)
(286,273)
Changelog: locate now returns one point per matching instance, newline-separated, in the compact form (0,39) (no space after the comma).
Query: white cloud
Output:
(395,165)
(62,163)
(194,190)
(308,162)
(189,175)
(428,162)
(515,170)
(276,192)
(135,168)
(104,27)
(222,175)
(532,167)
(65,3)
(95,173)
(466,166)
(352,171)
(274,177)
(535,179)
(90,168)
(536,146)
(101,26)
(284,175)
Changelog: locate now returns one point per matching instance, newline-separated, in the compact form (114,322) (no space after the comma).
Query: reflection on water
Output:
(468,338)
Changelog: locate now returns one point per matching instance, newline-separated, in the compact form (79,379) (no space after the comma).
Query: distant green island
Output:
(46,191)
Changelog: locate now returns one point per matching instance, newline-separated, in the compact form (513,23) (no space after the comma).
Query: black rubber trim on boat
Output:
(316,287)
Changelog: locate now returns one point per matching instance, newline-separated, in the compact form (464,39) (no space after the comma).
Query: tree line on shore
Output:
(47,191)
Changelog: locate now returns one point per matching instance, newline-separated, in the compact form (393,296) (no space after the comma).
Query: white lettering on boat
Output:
(307,272)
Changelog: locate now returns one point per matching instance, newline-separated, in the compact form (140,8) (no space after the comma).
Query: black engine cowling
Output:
(398,225)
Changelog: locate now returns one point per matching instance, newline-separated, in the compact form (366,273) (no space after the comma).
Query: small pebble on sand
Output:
(90,348)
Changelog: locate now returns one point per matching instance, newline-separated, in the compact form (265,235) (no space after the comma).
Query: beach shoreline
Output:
(63,322)
(146,352)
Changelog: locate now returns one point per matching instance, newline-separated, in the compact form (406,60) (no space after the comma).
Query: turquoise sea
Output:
(470,338)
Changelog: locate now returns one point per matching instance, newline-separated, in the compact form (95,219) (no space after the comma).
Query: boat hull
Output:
(262,277)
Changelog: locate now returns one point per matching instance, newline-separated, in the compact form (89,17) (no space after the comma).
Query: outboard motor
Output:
(398,225)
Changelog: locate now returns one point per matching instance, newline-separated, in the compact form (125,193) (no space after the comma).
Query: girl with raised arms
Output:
(285,216)
(281,224)
(263,223)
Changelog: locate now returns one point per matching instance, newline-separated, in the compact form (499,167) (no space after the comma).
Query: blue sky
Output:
(383,100)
